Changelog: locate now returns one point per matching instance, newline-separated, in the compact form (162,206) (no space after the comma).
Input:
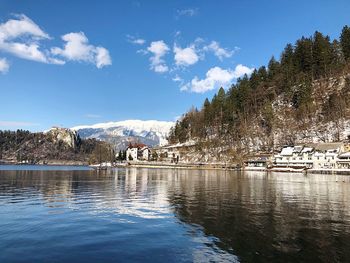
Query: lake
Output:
(73,214)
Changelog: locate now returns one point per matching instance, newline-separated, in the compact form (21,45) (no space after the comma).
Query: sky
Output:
(67,63)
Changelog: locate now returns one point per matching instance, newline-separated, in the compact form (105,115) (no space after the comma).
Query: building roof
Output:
(307,149)
(298,149)
(137,145)
(328,146)
(287,150)
(344,155)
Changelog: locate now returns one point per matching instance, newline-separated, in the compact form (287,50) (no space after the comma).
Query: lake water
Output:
(161,215)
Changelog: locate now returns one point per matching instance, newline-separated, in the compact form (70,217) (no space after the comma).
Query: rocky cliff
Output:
(56,146)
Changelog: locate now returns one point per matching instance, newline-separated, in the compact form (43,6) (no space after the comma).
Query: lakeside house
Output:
(138,152)
(173,153)
(344,160)
(315,156)
(294,156)
(258,162)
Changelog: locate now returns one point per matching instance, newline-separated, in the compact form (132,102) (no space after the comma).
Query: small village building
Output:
(146,153)
(295,156)
(258,162)
(138,152)
(343,161)
(326,155)
(131,154)
(172,153)
(315,156)
(255,164)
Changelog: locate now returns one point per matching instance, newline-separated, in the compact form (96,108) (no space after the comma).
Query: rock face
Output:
(56,146)
(67,137)
(120,134)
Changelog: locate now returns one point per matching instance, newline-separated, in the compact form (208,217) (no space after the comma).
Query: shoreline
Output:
(189,166)
(232,168)
(48,163)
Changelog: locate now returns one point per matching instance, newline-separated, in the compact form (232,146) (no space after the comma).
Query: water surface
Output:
(161,215)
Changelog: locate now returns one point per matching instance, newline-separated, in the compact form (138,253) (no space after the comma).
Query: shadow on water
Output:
(158,215)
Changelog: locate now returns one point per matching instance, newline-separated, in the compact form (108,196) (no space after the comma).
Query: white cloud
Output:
(158,50)
(102,57)
(134,40)
(215,78)
(186,56)
(77,48)
(160,68)
(241,70)
(177,34)
(218,51)
(21,36)
(187,12)
(139,41)
(4,65)
(21,26)
(177,78)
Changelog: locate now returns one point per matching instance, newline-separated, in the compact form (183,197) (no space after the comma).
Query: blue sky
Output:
(82,62)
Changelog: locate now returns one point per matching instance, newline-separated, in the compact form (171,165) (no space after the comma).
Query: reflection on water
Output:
(159,215)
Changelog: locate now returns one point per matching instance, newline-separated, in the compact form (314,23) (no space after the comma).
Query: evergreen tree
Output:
(321,53)
(304,56)
(345,42)
(273,68)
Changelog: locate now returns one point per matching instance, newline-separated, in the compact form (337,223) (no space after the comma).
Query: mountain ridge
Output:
(121,133)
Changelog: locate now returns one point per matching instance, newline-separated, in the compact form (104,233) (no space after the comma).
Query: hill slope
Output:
(302,97)
(56,146)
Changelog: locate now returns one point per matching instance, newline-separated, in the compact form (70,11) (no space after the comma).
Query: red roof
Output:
(137,145)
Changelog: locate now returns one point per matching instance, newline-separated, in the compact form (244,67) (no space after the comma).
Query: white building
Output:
(146,153)
(343,161)
(138,152)
(131,154)
(326,155)
(295,156)
(317,156)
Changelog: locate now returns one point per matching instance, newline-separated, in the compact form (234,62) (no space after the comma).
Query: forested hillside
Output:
(59,145)
(304,96)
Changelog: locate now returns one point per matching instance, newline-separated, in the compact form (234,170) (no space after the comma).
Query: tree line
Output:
(34,147)
(230,114)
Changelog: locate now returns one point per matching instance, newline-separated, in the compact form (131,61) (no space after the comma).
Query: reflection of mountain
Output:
(214,214)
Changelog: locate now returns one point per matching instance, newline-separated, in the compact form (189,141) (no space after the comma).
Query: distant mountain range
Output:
(151,132)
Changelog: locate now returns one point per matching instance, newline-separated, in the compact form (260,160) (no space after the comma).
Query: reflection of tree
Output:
(265,218)
(275,217)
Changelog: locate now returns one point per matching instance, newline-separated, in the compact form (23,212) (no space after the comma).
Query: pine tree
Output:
(304,56)
(273,68)
(345,42)
(321,53)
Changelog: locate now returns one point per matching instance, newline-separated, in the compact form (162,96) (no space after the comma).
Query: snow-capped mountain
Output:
(152,133)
